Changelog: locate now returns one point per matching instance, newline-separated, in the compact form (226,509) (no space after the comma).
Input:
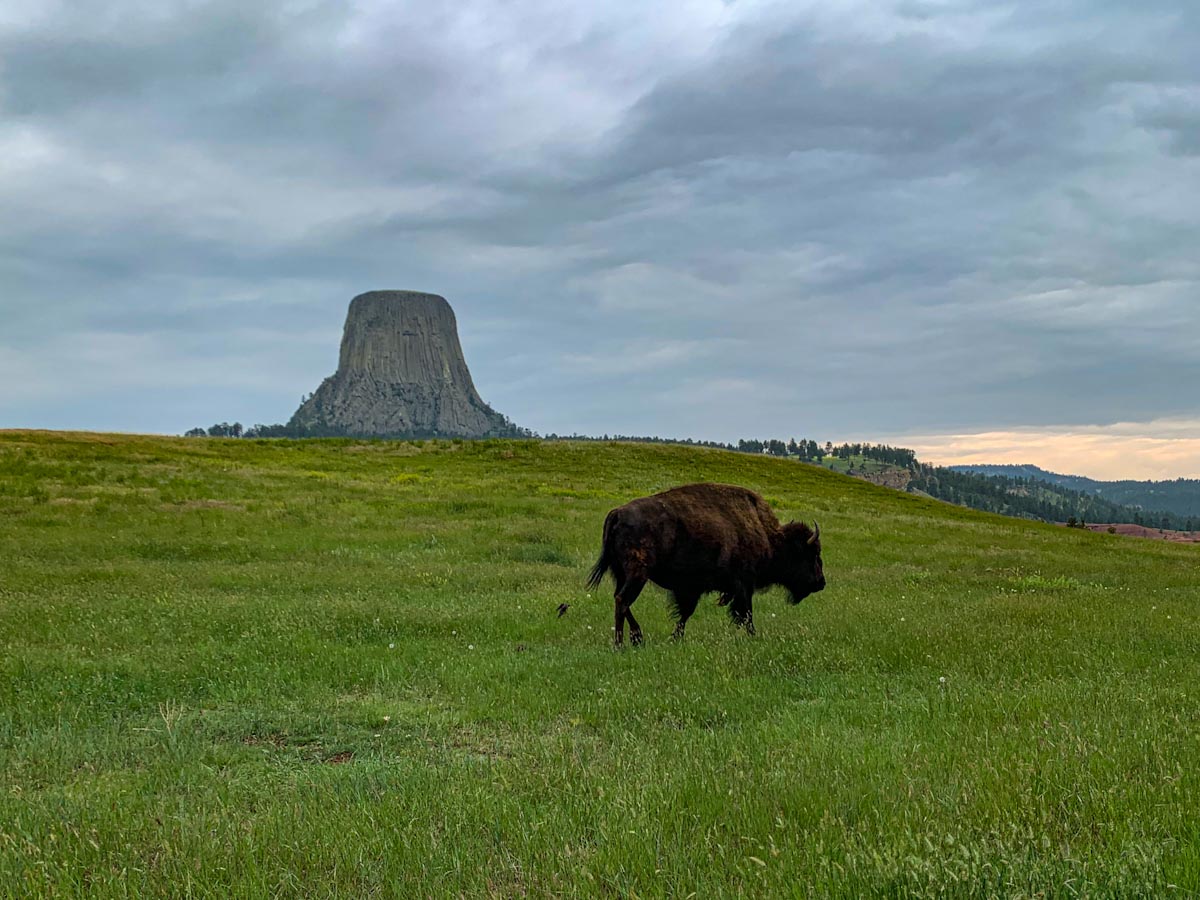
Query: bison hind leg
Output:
(627,591)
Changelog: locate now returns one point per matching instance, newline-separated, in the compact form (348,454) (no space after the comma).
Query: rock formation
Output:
(401,373)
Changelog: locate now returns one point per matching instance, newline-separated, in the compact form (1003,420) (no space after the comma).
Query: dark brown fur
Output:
(700,538)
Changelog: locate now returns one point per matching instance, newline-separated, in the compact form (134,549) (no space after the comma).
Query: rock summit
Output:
(401,373)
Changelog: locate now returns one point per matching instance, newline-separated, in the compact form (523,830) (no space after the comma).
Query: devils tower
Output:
(401,372)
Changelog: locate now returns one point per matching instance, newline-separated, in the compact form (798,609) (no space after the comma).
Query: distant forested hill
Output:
(1181,496)
(1019,493)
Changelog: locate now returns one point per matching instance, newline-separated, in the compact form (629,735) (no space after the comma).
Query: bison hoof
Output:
(635,638)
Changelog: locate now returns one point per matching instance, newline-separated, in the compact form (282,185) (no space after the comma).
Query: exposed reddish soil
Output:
(897,479)
(1158,534)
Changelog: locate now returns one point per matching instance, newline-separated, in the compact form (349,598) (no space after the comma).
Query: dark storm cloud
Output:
(714,221)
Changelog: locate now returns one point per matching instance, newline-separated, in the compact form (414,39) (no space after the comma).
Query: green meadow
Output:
(334,668)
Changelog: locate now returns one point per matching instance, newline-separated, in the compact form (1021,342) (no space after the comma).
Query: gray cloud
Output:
(710,221)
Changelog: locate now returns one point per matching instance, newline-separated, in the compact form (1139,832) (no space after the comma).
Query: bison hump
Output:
(732,518)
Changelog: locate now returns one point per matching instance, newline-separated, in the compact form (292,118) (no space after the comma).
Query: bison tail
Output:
(598,570)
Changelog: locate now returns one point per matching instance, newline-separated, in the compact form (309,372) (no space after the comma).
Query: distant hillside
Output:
(1181,496)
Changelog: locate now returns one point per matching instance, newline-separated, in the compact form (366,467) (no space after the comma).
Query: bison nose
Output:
(821,585)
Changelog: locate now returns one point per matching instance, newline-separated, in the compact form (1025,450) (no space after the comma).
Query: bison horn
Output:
(816,535)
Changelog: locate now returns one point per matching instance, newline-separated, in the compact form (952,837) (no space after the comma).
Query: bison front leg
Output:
(748,618)
(685,605)
(741,608)
(742,615)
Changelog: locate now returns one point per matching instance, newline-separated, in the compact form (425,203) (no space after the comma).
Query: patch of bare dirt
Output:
(896,479)
(1157,534)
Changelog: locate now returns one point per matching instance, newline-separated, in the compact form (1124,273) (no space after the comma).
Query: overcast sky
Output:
(842,219)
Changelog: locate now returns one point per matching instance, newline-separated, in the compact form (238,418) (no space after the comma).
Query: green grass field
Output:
(334,668)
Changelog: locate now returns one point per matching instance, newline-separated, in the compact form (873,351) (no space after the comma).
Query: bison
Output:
(700,538)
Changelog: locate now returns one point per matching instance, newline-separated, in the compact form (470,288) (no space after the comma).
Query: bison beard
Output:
(700,538)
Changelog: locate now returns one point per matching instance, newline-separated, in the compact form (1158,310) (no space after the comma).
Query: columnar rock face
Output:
(401,372)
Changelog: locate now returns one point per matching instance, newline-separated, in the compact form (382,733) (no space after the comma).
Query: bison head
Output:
(798,560)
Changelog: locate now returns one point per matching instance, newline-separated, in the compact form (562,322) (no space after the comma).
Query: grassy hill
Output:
(334,668)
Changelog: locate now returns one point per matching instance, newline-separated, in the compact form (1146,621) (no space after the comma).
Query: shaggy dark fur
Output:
(700,538)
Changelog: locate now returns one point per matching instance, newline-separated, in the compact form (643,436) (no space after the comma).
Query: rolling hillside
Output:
(334,668)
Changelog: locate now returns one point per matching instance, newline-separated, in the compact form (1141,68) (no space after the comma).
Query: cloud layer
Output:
(708,220)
